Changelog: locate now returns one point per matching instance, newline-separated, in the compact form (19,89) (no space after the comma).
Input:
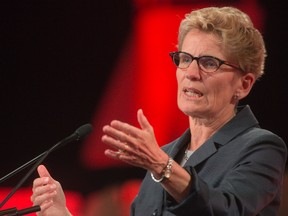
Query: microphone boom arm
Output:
(9,175)
(77,135)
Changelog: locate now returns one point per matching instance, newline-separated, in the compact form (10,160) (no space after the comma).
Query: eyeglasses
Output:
(208,64)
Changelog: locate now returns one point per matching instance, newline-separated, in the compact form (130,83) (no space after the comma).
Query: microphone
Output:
(80,133)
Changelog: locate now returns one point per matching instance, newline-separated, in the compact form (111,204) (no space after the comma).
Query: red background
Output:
(70,63)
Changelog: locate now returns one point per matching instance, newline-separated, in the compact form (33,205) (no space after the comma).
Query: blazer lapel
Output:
(241,122)
(204,152)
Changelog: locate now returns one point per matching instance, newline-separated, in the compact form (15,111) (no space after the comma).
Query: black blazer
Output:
(238,171)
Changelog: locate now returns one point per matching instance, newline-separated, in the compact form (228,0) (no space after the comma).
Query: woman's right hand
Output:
(49,195)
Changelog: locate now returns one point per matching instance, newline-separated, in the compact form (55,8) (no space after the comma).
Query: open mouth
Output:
(191,92)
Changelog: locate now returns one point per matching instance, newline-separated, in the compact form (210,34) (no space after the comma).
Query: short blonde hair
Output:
(242,43)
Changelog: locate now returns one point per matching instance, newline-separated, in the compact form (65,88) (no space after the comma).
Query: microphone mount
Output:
(15,212)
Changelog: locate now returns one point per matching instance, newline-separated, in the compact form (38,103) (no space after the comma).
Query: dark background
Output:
(57,55)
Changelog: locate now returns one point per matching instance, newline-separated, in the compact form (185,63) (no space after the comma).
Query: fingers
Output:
(44,188)
(117,133)
(128,158)
(43,194)
(112,154)
(135,146)
(118,138)
(115,143)
(122,136)
(131,130)
(126,132)
(127,139)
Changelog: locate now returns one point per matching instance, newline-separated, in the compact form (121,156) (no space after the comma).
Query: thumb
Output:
(143,121)
(43,172)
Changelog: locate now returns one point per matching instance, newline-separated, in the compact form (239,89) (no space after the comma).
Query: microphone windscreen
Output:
(84,130)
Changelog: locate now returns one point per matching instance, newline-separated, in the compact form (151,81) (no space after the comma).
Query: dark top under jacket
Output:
(237,171)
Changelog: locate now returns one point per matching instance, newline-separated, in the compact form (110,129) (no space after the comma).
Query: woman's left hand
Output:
(135,146)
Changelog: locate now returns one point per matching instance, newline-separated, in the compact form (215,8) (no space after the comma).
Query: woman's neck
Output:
(202,129)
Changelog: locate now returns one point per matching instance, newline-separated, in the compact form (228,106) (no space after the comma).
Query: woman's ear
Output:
(247,82)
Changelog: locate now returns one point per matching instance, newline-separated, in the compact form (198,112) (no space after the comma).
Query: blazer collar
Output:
(241,122)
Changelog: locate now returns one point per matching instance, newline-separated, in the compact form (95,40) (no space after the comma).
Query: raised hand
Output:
(136,146)
(49,194)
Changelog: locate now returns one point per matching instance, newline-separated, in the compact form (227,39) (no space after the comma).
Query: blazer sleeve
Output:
(253,182)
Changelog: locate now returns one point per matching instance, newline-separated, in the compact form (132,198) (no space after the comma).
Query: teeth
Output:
(192,93)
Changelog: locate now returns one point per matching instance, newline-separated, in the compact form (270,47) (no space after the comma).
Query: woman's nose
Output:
(193,72)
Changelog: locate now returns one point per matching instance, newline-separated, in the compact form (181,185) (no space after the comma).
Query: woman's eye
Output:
(207,62)
(185,59)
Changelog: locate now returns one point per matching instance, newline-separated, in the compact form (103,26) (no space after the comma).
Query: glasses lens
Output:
(182,60)
(208,64)
(176,58)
